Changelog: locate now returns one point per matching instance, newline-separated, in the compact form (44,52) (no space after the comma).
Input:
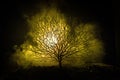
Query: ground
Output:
(93,72)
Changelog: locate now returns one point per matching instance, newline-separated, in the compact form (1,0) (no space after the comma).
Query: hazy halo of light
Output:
(48,31)
(50,39)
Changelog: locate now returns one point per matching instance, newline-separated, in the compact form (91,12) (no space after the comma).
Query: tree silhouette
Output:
(51,36)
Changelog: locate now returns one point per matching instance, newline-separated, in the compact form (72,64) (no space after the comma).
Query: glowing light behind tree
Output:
(50,34)
(50,39)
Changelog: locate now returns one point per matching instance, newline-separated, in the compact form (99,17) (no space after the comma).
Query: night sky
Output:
(14,27)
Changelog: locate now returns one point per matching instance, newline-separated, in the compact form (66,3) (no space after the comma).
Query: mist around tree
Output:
(51,41)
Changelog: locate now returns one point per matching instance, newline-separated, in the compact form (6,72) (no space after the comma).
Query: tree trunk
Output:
(60,63)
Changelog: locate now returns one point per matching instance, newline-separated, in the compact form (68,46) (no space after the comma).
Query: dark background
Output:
(14,28)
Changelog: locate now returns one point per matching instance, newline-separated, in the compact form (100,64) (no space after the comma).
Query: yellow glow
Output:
(43,55)
(50,39)
(50,28)
(27,59)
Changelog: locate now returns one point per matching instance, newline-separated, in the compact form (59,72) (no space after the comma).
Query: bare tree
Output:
(58,50)
(51,35)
